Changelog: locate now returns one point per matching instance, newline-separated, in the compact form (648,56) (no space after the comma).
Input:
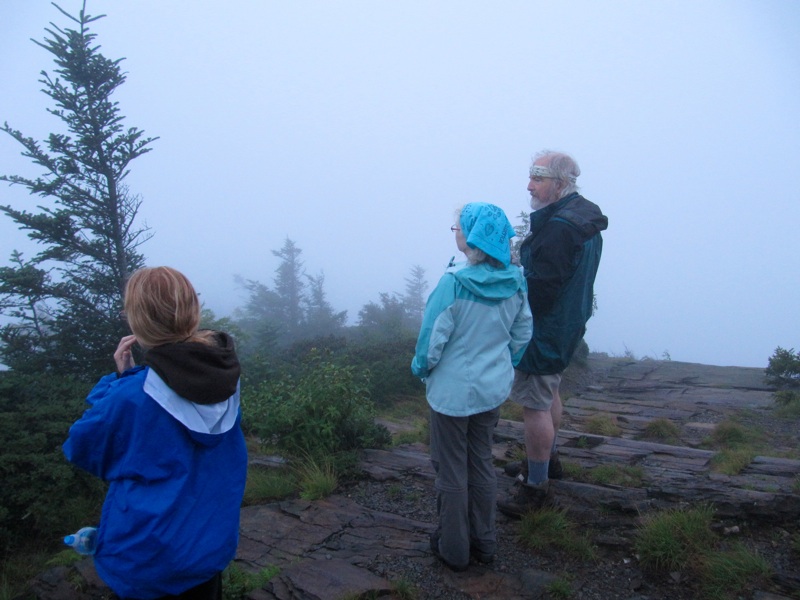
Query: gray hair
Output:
(563,167)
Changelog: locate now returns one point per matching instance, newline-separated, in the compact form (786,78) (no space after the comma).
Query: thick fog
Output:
(356,128)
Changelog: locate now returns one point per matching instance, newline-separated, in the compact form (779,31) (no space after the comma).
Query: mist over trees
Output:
(295,309)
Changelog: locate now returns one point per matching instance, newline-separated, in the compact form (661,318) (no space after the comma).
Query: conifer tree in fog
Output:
(414,298)
(290,289)
(387,319)
(291,310)
(258,319)
(321,318)
(64,302)
(521,231)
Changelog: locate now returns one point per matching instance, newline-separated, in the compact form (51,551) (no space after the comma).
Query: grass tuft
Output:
(622,475)
(550,527)
(729,434)
(723,573)
(511,411)
(64,558)
(266,484)
(317,478)
(421,433)
(662,430)
(603,424)
(732,461)
(404,590)
(560,589)
(671,540)
(737,445)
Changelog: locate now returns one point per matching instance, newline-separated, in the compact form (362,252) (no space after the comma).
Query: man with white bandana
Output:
(560,258)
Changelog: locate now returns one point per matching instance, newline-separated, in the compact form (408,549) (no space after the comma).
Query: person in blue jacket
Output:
(166,435)
(475,328)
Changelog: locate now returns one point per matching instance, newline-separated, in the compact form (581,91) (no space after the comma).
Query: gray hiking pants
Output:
(466,484)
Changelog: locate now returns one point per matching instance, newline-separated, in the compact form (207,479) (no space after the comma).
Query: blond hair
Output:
(162,307)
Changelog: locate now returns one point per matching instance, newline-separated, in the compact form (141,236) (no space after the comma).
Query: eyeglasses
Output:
(454,228)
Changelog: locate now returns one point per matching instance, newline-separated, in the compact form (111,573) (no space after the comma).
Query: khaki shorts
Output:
(534,391)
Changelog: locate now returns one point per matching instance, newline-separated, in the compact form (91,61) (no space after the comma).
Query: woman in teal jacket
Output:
(476,326)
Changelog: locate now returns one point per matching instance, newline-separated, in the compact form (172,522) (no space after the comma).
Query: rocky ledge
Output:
(372,537)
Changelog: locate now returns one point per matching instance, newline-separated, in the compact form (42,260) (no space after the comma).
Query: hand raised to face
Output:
(123,356)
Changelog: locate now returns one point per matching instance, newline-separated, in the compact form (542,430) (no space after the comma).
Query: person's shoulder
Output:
(585,204)
(130,383)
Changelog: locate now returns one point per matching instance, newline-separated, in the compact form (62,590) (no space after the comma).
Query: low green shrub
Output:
(388,360)
(325,411)
(42,495)
(783,369)
(788,404)
(237,583)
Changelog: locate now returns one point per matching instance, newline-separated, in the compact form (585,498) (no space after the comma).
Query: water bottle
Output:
(84,541)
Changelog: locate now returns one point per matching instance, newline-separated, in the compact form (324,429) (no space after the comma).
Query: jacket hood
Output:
(489,282)
(200,373)
(576,210)
(206,424)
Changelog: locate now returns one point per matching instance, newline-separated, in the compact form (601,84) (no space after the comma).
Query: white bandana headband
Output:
(540,171)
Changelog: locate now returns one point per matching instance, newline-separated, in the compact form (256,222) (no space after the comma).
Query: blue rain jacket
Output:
(176,471)
(476,326)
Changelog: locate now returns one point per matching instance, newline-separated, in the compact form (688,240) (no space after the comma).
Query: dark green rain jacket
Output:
(560,258)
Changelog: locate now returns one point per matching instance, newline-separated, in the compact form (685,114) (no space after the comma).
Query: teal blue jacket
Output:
(474,330)
(560,258)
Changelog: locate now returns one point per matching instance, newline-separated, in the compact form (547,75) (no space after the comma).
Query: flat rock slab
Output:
(323,548)
(283,533)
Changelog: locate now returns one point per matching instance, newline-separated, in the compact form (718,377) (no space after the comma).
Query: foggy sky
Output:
(356,128)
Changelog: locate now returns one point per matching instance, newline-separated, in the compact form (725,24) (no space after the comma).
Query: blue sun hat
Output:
(486,227)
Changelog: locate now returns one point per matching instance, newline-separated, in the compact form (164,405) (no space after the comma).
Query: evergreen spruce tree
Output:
(290,290)
(414,299)
(65,301)
(320,317)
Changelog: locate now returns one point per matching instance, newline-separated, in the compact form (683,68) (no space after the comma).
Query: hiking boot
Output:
(520,467)
(435,549)
(554,469)
(515,468)
(484,558)
(525,498)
